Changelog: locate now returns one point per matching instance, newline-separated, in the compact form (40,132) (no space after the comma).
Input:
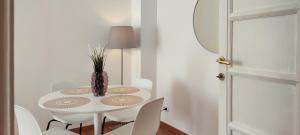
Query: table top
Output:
(94,106)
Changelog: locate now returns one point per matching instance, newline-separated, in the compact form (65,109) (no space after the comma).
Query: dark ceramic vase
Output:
(99,83)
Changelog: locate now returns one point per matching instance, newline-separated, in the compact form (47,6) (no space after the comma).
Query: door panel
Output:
(263,105)
(257,43)
(261,93)
(242,5)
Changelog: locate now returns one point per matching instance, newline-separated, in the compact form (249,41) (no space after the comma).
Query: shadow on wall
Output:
(194,108)
(194,97)
(204,88)
(180,93)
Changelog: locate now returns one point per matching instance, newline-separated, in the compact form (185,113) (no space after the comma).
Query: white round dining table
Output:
(95,106)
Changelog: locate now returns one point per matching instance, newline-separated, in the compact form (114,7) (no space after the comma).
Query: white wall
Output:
(136,52)
(185,71)
(51,38)
(149,41)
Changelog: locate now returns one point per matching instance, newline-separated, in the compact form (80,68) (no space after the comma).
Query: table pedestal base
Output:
(98,123)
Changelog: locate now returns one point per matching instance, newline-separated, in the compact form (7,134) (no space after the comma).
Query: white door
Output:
(260,93)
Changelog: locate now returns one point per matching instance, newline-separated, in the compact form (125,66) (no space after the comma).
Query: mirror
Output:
(206,24)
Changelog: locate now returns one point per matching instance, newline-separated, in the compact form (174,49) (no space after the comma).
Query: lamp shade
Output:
(121,37)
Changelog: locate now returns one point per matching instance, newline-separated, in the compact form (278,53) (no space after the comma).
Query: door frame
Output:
(225,30)
(7,67)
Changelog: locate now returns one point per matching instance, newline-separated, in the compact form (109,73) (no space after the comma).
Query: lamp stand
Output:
(122,62)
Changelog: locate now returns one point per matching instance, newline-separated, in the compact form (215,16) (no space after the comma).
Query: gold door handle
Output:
(222,60)
(221,76)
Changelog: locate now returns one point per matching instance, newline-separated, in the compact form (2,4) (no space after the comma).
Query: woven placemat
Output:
(123,90)
(76,91)
(122,100)
(67,102)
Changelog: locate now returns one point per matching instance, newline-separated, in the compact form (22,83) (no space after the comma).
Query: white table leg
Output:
(97,123)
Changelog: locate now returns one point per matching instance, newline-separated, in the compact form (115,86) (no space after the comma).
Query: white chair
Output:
(68,119)
(146,123)
(27,125)
(128,115)
(142,84)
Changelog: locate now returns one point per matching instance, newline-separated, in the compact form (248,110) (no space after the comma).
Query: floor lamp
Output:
(121,37)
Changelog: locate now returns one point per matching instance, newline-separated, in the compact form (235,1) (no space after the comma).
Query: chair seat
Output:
(58,131)
(124,130)
(72,118)
(123,115)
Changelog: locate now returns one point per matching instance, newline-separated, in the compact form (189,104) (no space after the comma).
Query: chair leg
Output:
(103,125)
(80,129)
(67,126)
(48,125)
(130,122)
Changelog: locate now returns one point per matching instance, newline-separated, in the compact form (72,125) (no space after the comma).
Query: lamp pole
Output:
(122,68)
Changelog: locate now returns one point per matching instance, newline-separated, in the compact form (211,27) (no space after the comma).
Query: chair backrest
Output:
(148,118)
(26,122)
(63,85)
(142,84)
